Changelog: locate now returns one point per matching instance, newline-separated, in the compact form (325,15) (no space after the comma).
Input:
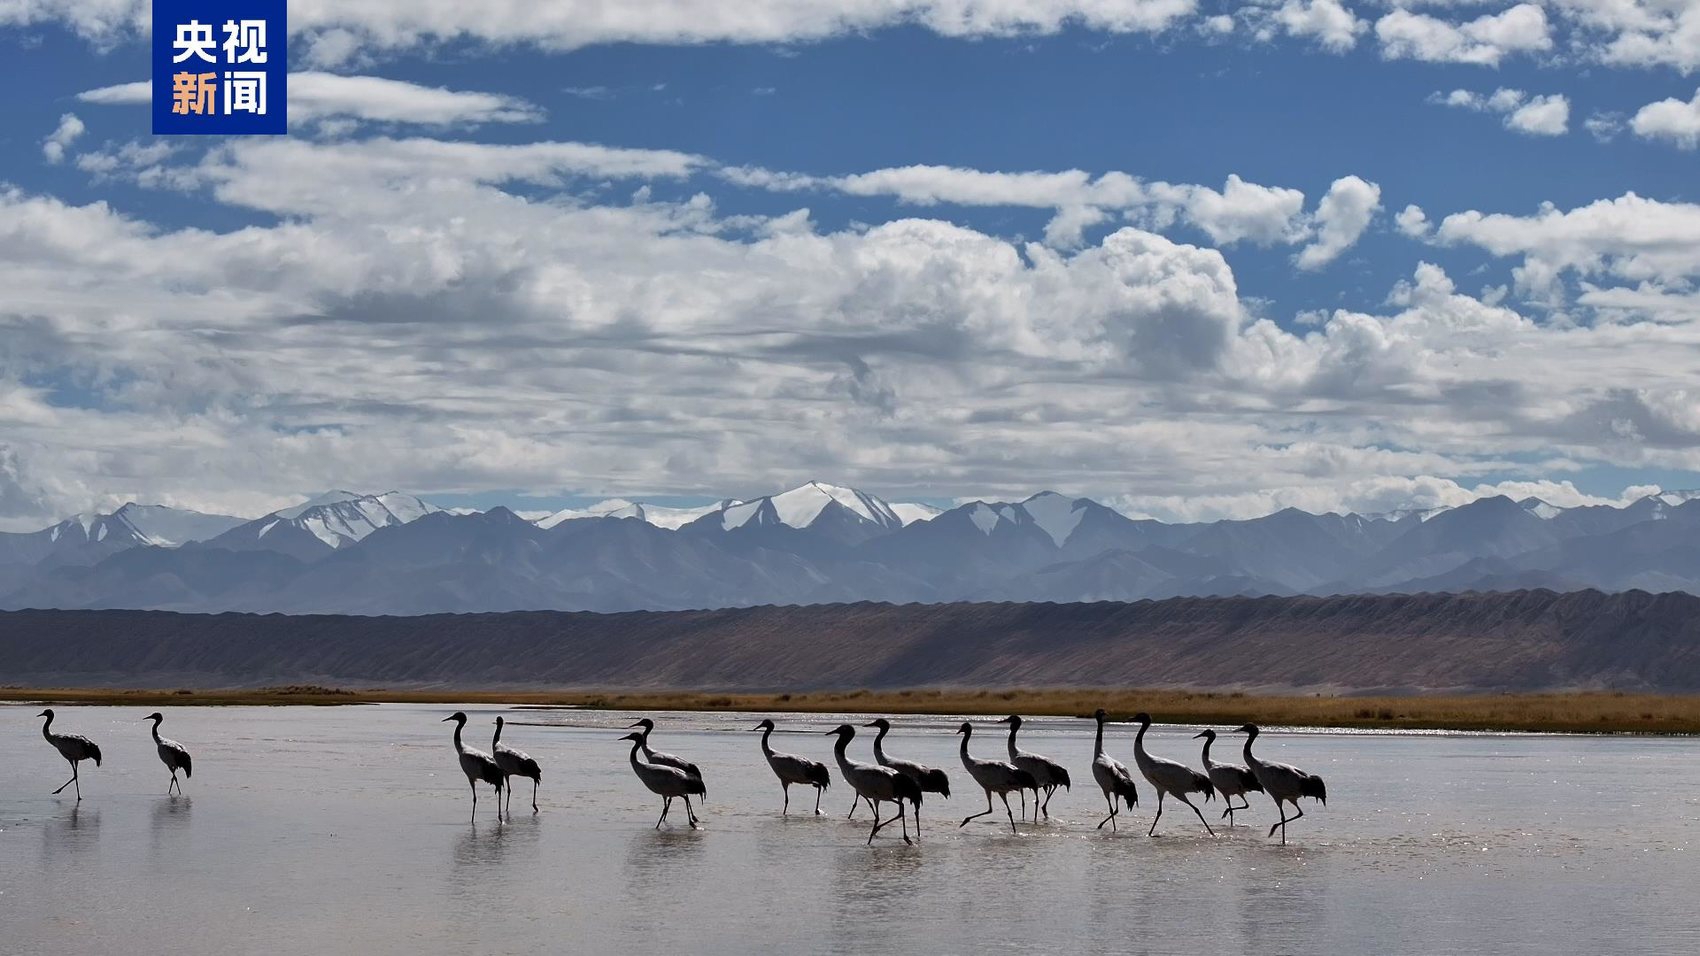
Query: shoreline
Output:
(1597,712)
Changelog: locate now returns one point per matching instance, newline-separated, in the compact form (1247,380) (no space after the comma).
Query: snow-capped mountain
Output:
(910,512)
(329,521)
(660,516)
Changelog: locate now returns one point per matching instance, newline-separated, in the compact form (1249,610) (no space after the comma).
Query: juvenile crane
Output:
(1230,780)
(478,766)
(666,782)
(1112,775)
(1283,783)
(1169,778)
(73,747)
(515,763)
(875,784)
(657,757)
(929,779)
(171,753)
(993,776)
(792,769)
(1047,773)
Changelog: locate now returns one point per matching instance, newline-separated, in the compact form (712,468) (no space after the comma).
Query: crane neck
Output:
(636,746)
(1139,739)
(1013,729)
(46,724)
(1098,742)
(1207,742)
(840,751)
(156,730)
(1249,759)
(967,761)
(879,744)
(458,745)
(766,747)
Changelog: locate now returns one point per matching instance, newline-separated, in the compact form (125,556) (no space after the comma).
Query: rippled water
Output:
(345,830)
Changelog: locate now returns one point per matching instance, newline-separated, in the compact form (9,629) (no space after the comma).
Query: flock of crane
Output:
(887,780)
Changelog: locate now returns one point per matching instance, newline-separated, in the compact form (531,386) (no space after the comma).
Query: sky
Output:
(1192,259)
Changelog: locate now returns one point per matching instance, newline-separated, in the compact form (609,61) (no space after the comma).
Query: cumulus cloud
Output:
(1629,237)
(1485,40)
(57,142)
(315,96)
(1413,222)
(1341,217)
(1334,27)
(1671,120)
(1536,115)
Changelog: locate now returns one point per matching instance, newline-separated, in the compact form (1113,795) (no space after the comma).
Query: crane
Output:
(666,782)
(1283,783)
(993,776)
(875,784)
(478,766)
(1169,778)
(1112,775)
(75,748)
(515,763)
(171,753)
(929,779)
(665,760)
(790,769)
(1047,773)
(1230,780)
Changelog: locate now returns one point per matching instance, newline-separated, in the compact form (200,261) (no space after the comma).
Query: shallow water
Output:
(346,830)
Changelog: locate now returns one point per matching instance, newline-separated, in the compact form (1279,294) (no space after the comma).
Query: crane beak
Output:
(445,720)
(1196,736)
(638,724)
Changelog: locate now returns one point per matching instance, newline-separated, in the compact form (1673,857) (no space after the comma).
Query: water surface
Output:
(346,830)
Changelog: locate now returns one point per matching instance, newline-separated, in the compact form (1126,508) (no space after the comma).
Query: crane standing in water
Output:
(1047,773)
(929,779)
(1230,780)
(1112,775)
(515,763)
(478,766)
(993,776)
(1283,782)
(790,769)
(875,784)
(75,748)
(666,782)
(171,753)
(1169,778)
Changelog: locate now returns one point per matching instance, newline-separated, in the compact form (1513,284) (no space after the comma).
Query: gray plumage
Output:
(1230,780)
(669,783)
(478,766)
(515,763)
(993,776)
(1169,778)
(665,760)
(875,784)
(929,779)
(1112,775)
(1283,782)
(171,753)
(75,748)
(1047,773)
(792,769)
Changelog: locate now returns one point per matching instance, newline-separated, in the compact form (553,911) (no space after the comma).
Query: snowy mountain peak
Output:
(339,518)
(327,498)
(1541,509)
(1055,514)
(801,506)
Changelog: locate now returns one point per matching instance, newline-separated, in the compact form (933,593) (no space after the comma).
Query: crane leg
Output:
(534,785)
(1008,814)
(877,823)
(474,788)
(1159,816)
(1182,798)
(1024,802)
(855,798)
(786,810)
(917,822)
(666,802)
(818,792)
(982,812)
(73,779)
(1111,819)
(1049,792)
(1298,811)
(692,814)
(904,822)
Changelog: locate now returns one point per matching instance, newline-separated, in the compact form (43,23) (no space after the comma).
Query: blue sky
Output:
(1157,253)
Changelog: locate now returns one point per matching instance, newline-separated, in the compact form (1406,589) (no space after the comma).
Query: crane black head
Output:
(967,729)
(1207,734)
(879,722)
(1012,720)
(48,713)
(633,737)
(1100,715)
(1142,718)
(843,730)
(156,716)
(1247,729)
(647,725)
(764,725)
(498,720)
(458,717)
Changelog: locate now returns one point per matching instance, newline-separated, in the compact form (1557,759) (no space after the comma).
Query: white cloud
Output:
(1341,217)
(1630,237)
(1333,26)
(1536,115)
(1485,40)
(1604,126)
(317,96)
(57,142)
(1413,222)
(1672,120)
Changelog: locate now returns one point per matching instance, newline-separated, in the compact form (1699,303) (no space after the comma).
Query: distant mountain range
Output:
(395,554)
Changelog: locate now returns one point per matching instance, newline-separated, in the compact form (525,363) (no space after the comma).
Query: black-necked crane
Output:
(171,753)
(1169,778)
(1231,780)
(75,748)
(929,779)
(1112,775)
(515,763)
(1047,773)
(792,769)
(875,784)
(666,782)
(659,758)
(993,776)
(1283,783)
(478,766)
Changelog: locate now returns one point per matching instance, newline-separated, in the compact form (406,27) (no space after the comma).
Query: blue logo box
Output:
(220,67)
